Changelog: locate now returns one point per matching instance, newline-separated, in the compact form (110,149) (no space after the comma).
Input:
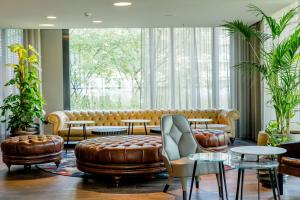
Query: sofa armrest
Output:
(293,149)
(57,119)
(232,115)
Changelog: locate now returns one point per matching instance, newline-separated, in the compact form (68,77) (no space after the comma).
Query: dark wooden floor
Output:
(36,184)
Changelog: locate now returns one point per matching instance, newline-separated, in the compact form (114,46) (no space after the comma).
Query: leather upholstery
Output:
(289,163)
(120,149)
(214,140)
(222,119)
(32,149)
(120,155)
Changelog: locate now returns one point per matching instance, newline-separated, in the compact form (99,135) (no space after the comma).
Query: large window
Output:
(7,37)
(105,68)
(162,68)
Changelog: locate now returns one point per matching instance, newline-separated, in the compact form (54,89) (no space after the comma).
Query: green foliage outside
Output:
(105,67)
(274,139)
(26,106)
(280,62)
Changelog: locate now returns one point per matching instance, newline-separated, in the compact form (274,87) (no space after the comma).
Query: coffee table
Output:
(155,130)
(259,164)
(82,123)
(131,122)
(109,131)
(200,120)
(216,157)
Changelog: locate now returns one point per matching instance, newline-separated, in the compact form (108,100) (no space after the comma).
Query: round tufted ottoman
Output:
(215,140)
(120,155)
(32,149)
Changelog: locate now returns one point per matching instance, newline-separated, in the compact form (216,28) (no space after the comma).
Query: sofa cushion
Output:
(290,161)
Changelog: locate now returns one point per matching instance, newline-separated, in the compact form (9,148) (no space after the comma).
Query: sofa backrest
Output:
(113,118)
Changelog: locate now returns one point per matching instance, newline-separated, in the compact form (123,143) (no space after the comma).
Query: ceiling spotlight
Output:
(46,25)
(97,21)
(122,3)
(51,17)
(87,14)
(169,15)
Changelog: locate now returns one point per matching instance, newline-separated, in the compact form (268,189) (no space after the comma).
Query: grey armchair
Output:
(178,142)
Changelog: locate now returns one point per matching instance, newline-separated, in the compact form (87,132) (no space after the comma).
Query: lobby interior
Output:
(150,99)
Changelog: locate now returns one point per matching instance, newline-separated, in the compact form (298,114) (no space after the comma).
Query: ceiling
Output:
(142,13)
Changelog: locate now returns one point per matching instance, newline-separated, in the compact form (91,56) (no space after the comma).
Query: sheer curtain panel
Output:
(185,68)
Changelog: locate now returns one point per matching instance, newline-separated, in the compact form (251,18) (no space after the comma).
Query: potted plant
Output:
(277,64)
(23,109)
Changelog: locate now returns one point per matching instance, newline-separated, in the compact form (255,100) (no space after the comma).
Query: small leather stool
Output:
(32,149)
(214,140)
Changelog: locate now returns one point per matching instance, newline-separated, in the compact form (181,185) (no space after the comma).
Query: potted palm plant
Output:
(23,109)
(278,63)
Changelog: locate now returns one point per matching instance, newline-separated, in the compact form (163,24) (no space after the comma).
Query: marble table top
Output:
(203,120)
(209,157)
(258,150)
(136,121)
(80,122)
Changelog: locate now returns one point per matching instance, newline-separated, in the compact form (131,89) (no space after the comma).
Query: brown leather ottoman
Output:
(32,149)
(120,155)
(213,140)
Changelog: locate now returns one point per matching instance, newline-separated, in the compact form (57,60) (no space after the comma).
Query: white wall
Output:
(52,71)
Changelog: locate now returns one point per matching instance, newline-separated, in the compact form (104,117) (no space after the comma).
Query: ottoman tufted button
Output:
(213,139)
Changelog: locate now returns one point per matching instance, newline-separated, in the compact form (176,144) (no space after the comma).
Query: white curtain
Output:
(185,68)
(7,37)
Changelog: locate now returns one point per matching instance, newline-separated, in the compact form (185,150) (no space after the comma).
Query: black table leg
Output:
(128,131)
(131,128)
(84,131)
(145,128)
(258,185)
(225,182)
(218,181)
(272,183)
(68,137)
(280,180)
(221,181)
(242,183)
(206,125)
(277,183)
(238,185)
(193,177)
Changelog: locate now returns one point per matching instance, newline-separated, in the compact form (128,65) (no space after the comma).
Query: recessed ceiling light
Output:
(97,21)
(46,25)
(122,3)
(51,17)
(169,15)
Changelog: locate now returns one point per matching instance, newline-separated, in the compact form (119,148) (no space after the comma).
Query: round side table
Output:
(131,122)
(216,157)
(259,164)
(200,120)
(82,123)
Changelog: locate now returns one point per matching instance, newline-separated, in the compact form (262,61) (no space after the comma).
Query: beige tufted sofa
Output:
(222,119)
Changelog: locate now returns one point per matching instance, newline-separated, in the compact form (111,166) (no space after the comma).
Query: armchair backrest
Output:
(177,137)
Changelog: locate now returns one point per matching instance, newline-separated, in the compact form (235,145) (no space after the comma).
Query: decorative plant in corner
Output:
(21,110)
(279,64)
